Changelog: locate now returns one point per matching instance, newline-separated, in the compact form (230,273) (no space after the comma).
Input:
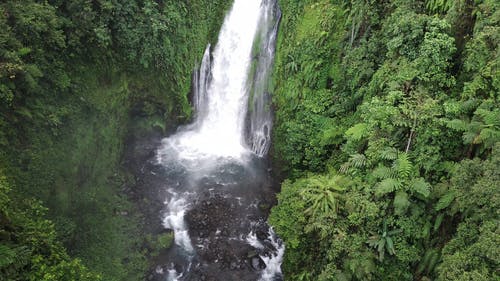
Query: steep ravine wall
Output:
(64,147)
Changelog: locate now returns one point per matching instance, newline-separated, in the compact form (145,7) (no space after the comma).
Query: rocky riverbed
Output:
(226,216)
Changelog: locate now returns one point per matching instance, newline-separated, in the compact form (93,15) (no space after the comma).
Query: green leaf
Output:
(357,132)
(403,165)
(381,248)
(457,125)
(382,172)
(401,202)
(7,256)
(358,160)
(389,153)
(489,117)
(439,220)
(387,186)
(445,201)
(390,246)
(421,187)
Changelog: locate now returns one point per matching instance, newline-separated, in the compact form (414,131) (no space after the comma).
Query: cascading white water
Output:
(224,131)
(201,81)
(221,104)
(259,134)
(174,220)
(273,264)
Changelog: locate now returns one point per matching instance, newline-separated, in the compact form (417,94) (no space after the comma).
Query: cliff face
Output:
(77,78)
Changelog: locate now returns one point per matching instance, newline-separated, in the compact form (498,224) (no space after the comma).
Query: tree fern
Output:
(490,118)
(355,161)
(483,129)
(322,194)
(358,160)
(7,256)
(383,172)
(489,137)
(457,125)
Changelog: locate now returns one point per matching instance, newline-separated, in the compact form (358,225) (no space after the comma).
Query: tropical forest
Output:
(249,140)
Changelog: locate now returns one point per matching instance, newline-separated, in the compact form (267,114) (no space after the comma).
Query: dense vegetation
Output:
(76,77)
(388,129)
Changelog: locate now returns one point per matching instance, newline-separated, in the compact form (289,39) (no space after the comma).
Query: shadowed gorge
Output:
(253,140)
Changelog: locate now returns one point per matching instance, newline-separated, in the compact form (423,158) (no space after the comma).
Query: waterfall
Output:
(231,129)
(201,81)
(259,134)
(222,97)
(222,88)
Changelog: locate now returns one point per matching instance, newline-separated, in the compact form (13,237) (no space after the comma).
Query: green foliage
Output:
(76,79)
(383,242)
(322,194)
(438,6)
(401,98)
(165,240)
(158,244)
(472,254)
(29,248)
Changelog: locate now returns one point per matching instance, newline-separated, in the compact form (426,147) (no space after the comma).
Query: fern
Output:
(357,132)
(344,168)
(438,6)
(438,221)
(355,160)
(358,160)
(401,202)
(383,172)
(457,125)
(403,165)
(421,187)
(490,118)
(387,186)
(322,194)
(7,256)
(445,201)
(429,261)
(469,137)
(489,137)
(389,153)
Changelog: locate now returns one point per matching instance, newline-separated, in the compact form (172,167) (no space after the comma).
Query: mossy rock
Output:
(165,240)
